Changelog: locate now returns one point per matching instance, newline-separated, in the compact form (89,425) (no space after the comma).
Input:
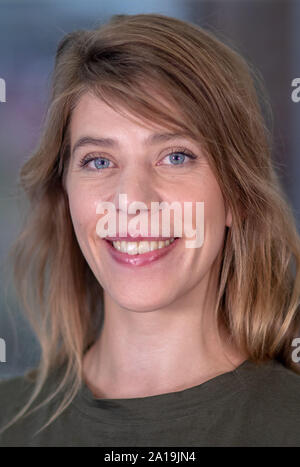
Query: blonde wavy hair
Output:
(216,94)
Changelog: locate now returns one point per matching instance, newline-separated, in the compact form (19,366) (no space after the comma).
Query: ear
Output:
(228,217)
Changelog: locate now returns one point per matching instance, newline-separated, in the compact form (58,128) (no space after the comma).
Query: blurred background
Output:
(265,32)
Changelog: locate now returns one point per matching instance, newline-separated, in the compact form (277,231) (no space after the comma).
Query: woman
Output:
(147,343)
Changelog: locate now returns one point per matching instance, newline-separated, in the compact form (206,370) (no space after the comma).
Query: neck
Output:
(140,354)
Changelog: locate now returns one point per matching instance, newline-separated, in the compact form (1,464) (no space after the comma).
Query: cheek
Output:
(207,190)
(213,223)
(215,208)
(83,212)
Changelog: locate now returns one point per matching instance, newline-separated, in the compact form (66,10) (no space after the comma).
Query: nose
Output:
(133,196)
(138,186)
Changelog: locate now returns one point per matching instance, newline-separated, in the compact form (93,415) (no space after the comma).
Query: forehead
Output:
(91,110)
(92,114)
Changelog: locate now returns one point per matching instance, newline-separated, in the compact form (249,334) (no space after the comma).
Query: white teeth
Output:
(144,247)
(123,246)
(135,248)
(153,246)
(132,248)
(117,245)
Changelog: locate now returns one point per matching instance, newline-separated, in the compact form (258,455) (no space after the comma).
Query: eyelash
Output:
(86,159)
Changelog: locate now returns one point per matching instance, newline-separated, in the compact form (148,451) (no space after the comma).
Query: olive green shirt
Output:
(253,405)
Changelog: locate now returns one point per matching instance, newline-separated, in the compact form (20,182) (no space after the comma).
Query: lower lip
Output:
(140,260)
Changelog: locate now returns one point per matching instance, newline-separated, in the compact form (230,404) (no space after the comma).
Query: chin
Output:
(144,304)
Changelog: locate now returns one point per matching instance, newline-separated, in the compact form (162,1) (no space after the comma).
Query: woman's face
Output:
(146,171)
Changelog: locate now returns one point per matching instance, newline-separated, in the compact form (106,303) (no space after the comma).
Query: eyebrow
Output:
(112,143)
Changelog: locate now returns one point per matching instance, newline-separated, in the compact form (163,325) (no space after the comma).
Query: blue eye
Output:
(98,162)
(101,163)
(179,157)
(176,158)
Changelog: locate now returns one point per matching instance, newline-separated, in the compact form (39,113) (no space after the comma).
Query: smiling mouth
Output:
(140,247)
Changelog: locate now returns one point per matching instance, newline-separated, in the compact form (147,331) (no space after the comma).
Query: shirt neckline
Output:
(165,406)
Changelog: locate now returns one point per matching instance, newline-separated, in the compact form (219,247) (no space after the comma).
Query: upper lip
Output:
(138,238)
